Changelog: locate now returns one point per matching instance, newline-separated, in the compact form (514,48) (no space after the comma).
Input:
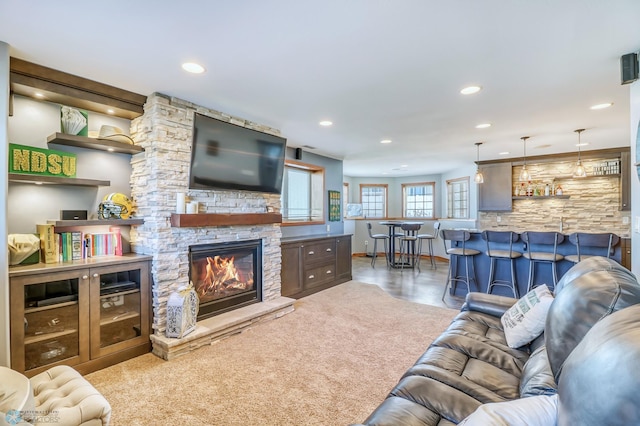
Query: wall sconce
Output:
(478,178)
(580,171)
(524,173)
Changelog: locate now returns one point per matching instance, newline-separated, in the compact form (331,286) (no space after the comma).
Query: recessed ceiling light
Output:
(39,95)
(110,111)
(602,106)
(470,90)
(385,141)
(110,149)
(193,68)
(404,165)
(326,123)
(582,144)
(483,126)
(504,153)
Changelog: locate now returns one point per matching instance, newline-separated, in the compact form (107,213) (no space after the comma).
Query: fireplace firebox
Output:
(226,276)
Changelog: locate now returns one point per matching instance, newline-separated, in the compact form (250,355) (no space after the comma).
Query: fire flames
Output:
(222,277)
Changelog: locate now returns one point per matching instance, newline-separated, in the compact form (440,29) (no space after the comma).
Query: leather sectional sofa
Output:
(588,355)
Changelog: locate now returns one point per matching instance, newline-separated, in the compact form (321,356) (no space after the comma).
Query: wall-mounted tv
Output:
(227,156)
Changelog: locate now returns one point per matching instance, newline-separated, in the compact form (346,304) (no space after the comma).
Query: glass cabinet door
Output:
(50,328)
(118,295)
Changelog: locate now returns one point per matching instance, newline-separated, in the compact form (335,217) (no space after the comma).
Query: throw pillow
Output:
(533,411)
(525,320)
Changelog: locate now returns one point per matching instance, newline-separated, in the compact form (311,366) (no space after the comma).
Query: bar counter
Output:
(543,274)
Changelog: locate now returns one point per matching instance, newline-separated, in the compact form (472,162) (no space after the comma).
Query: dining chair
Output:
(542,248)
(457,249)
(595,244)
(500,248)
(408,244)
(429,238)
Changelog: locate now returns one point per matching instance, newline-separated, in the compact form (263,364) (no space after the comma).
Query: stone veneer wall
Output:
(593,206)
(159,173)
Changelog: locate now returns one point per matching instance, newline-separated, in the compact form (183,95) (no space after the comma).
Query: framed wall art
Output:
(334,206)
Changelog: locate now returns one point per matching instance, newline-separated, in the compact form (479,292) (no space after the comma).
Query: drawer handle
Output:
(311,253)
(311,277)
(329,249)
(329,271)
(84,277)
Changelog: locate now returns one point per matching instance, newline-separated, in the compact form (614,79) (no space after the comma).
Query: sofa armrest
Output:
(489,304)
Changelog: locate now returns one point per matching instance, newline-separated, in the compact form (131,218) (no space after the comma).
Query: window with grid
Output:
(302,194)
(418,200)
(458,198)
(374,200)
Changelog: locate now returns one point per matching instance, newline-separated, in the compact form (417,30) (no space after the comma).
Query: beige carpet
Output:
(330,362)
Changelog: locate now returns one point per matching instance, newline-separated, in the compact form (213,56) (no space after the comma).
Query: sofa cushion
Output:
(600,379)
(537,378)
(534,411)
(582,302)
(16,394)
(525,320)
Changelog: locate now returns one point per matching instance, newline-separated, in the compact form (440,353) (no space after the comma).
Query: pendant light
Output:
(580,171)
(524,173)
(478,178)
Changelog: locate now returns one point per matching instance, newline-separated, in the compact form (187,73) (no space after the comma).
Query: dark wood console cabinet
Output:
(311,264)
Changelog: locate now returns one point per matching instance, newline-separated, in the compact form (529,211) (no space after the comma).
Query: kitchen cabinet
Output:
(495,193)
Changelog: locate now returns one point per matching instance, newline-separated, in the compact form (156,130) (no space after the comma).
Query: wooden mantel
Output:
(223,219)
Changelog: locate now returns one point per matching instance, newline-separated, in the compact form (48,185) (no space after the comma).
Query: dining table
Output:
(393,225)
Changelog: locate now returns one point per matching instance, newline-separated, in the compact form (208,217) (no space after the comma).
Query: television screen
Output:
(227,156)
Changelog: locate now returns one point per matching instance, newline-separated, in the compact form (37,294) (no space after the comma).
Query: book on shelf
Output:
(48,243)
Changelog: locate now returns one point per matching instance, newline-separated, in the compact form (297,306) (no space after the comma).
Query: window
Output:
(458,198)
(345,198)
(302,194)
(418,199)
(374,200)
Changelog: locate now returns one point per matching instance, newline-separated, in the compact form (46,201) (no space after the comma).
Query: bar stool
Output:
(375,238)
(596,241)
(534,243)
(429,238)
(456,250)
(495,239)
(408,242)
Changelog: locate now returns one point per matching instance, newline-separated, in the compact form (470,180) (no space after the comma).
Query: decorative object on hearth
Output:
(524,173)
(478,178)
(22,247)
(74,121)
(182,312)
(115,206)
(580,171)
(113,133)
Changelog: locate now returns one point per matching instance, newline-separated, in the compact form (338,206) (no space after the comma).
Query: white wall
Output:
(4,170)
(634,114)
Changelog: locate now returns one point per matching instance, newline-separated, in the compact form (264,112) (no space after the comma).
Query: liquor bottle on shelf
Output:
(559,190)
(547,190)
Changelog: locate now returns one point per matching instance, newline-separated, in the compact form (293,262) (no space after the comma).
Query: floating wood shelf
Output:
(222,219)
(541,197)
(92,143)
(55,180)
(95,222)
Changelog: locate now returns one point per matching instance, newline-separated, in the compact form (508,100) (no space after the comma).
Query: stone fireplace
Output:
(158,175)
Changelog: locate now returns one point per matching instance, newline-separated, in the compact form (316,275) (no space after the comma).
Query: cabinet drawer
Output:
(319,275)
(319,251)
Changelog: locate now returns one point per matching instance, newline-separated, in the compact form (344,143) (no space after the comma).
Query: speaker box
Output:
(629,68)
(73,214)
(298,153)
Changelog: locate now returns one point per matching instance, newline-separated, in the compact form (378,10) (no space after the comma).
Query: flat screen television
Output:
(227,156)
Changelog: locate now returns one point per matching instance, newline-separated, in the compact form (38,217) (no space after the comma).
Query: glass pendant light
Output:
(580,171)
(524,173)
(478,178)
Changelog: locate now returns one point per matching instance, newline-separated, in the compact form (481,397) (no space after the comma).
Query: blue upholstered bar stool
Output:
(375,238)
(535,244)
(596,244)
(496,251)
(408,244)
(429,238)
(457,250)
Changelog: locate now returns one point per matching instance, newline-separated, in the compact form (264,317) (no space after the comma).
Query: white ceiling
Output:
(379,69)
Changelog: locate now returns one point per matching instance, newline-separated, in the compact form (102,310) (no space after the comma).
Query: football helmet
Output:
(115,206)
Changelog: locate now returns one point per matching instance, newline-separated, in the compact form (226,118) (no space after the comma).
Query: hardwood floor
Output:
(425,286)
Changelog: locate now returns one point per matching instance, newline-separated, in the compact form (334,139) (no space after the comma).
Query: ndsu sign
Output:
(38,161)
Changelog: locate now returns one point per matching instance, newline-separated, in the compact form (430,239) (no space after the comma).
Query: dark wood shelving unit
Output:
(223,219)
(95,222)
(56,180)
(91,143)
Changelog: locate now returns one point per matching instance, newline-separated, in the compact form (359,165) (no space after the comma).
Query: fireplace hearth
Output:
(226,275)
